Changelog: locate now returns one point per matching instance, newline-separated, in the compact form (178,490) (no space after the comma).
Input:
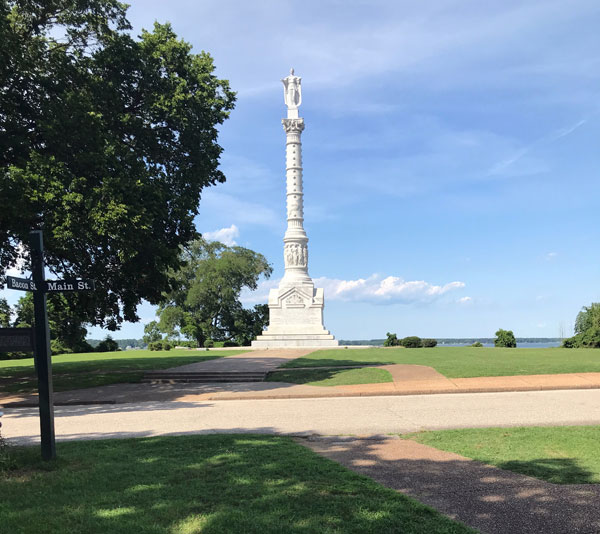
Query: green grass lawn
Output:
(562,455)
(459,362)
(332,377)
(75,371)
(213,484)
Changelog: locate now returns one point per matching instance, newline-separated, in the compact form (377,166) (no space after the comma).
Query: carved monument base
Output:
(295,319)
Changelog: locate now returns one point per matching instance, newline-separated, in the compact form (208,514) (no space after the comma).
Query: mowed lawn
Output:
(464,362)
(211,484)
(75,371)
(562,455)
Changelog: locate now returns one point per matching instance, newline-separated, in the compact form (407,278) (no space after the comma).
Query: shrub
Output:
(477,344)
(591,338)
(411,342)
(429,342)
(166,345)
(57,347)
(572,342)
(209,343)
(230,343)
(155,345)
(505,338)
(107,345)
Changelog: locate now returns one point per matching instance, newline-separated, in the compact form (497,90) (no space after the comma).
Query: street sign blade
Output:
(70,285)
(22,284)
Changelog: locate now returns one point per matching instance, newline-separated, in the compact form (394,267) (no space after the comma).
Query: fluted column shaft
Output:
(295,240)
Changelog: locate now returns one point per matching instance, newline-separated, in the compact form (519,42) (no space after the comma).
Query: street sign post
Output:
(40,334)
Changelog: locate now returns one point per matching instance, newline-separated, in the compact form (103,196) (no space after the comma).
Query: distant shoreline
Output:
(458,341)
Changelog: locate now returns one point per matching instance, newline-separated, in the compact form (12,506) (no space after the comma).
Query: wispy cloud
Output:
(375,289)
(502,166)
(551,256)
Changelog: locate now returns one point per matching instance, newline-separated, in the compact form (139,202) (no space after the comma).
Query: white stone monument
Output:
(296,307)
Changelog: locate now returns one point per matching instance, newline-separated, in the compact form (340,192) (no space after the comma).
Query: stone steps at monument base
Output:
(301,337)
(205,377)
(295,341)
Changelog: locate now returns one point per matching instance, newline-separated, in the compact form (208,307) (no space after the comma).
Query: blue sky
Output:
(451,156)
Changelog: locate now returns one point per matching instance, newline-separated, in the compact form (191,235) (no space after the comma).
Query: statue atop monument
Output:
(292,91)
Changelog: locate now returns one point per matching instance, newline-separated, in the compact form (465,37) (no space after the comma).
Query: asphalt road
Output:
(331,416)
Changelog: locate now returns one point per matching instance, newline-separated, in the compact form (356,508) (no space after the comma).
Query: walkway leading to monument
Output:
(247,367)
(481,496)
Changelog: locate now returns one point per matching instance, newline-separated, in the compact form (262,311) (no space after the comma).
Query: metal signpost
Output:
(41,334)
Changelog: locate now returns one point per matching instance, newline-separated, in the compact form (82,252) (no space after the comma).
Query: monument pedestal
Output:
(296,319)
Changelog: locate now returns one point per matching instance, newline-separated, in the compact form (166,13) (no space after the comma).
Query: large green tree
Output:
(205,300)
(106,142)
(66,331)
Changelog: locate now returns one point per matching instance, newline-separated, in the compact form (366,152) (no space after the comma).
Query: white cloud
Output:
(465,300)
(224,235)
(551,255)
(374,289)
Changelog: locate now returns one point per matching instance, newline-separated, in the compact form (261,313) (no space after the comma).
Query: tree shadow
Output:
(554,470)
(216,484)
(490,499)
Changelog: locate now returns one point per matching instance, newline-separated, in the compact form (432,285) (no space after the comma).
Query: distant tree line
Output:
(410,342)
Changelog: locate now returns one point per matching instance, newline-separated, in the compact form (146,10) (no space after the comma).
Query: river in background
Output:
(523,345)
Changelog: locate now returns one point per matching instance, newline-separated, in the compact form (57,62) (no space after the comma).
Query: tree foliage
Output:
(66,332)
(391,340)
(151,333)
(205,300)
(5,313)
(106,143)
(505,338)
(587,328)
(411,342)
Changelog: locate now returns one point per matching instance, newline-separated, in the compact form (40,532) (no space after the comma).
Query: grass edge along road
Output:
(561,454)
(463,362)
(76,371)
(204,483)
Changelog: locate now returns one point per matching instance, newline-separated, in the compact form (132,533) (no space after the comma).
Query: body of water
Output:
(544,345)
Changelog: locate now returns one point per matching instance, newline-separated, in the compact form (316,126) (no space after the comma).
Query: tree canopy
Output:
(587,328)
(505,338)
(205,300)
(106,142)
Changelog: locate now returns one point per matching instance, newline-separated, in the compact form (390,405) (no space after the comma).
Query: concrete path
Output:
(486,498)
(333,416)
(257,361)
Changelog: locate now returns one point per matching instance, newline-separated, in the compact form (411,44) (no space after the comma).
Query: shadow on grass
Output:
(492,500)
(555,470)
(303,376)
(209,484)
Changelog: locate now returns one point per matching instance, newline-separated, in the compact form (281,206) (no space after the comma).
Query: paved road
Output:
(333,416)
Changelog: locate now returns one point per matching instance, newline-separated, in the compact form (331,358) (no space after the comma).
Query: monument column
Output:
(295,250)
(296,307)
